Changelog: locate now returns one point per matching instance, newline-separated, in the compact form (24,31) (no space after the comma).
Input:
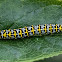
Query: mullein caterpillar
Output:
(30,31)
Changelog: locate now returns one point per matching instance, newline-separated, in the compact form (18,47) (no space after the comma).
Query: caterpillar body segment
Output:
(30,31)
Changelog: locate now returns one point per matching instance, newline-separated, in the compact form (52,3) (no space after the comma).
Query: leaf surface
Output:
(21,13)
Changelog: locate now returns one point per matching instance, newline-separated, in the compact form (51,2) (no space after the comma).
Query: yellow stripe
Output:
(9,34)
(32,30)
(26,31)
(60,28)
(4,34)
(20,32)
(39,29)
(50,28)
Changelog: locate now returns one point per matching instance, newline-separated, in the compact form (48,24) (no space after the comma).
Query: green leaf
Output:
(20,13)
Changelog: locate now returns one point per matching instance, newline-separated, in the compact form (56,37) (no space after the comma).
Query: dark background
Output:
(52,59)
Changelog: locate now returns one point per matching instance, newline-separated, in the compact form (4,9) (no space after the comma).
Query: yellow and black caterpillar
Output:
(30,31)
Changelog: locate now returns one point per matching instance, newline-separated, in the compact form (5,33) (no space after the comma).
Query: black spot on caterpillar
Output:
(30,31)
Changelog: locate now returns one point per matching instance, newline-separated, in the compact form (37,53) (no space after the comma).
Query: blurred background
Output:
(52,59)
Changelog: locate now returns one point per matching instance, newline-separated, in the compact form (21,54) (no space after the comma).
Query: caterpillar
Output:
(30,31)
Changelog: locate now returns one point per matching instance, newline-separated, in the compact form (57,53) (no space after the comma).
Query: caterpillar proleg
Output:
(30,31)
